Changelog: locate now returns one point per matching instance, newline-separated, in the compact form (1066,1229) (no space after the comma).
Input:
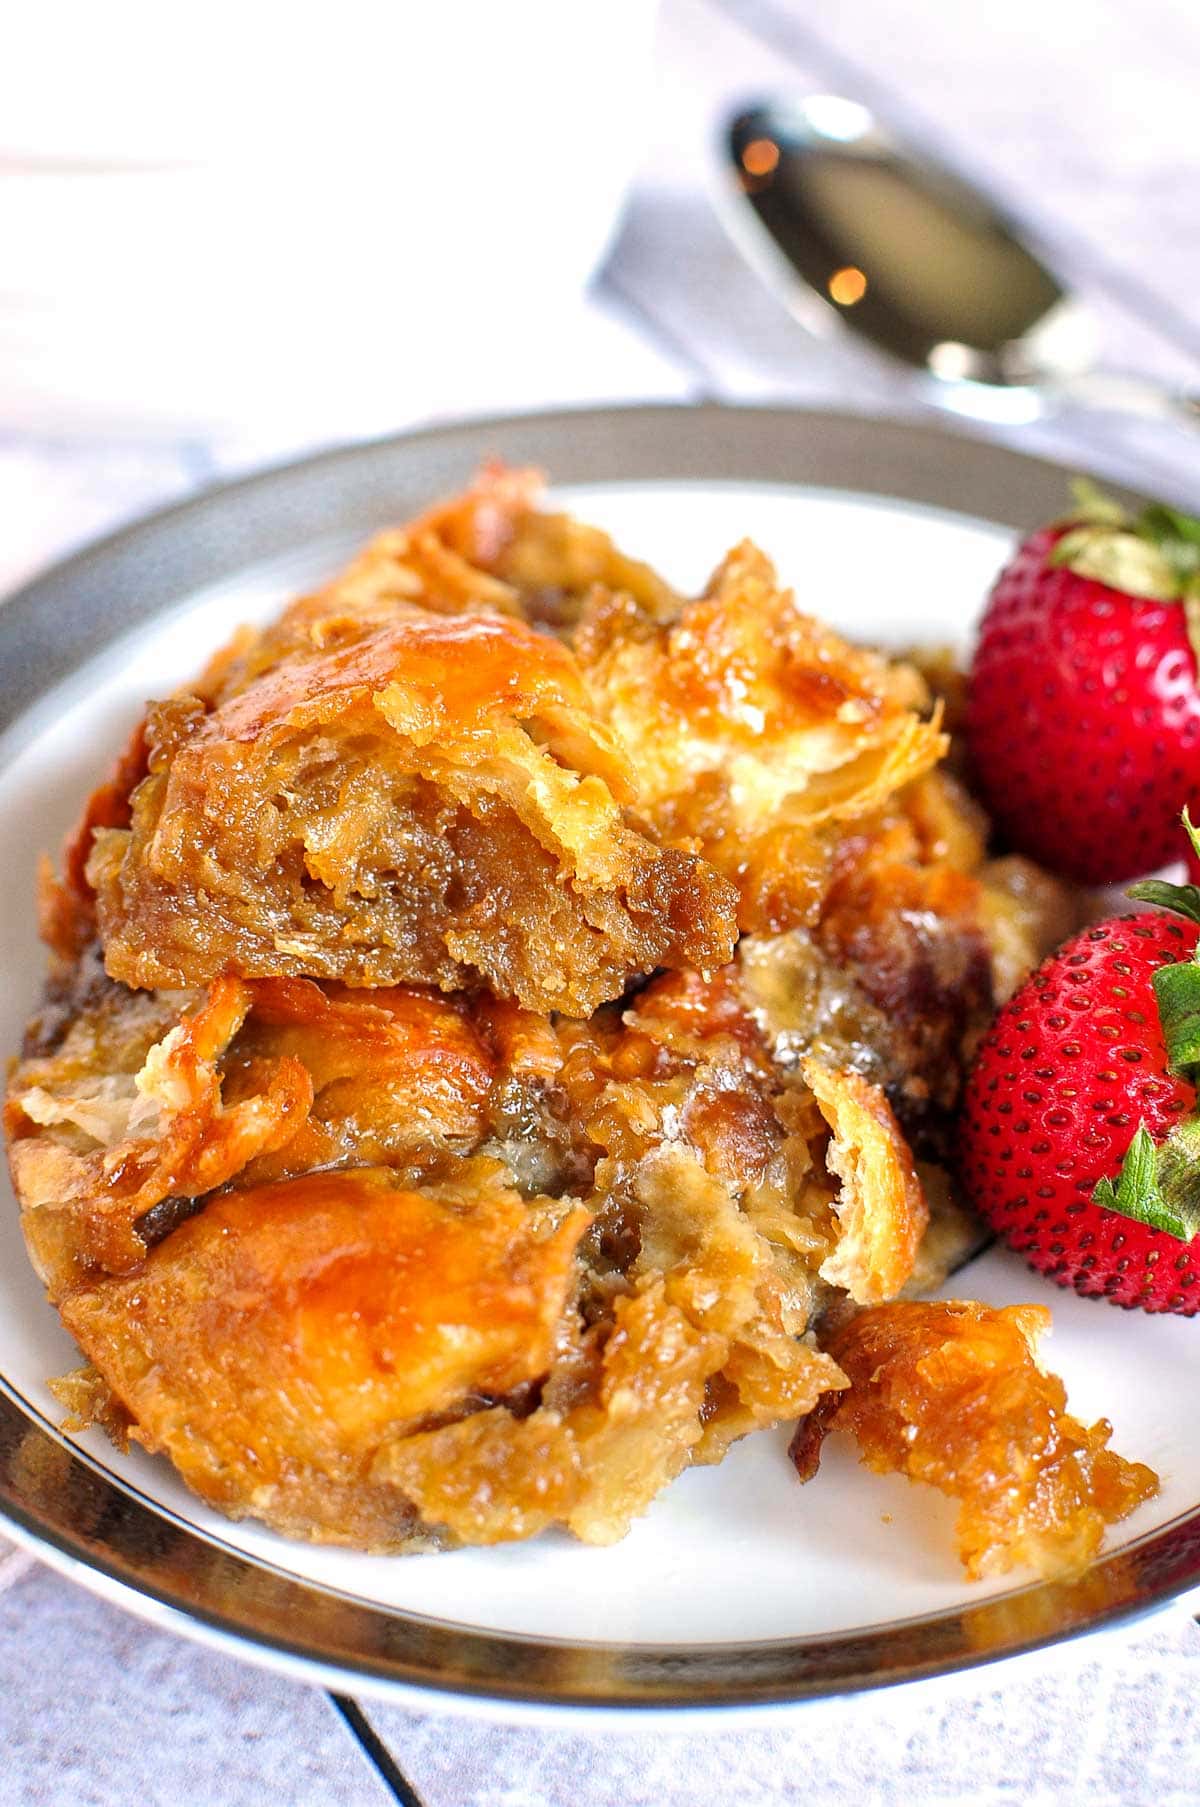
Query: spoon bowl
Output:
(856,231)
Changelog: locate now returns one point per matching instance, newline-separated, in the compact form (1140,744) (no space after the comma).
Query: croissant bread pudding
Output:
(503,1028)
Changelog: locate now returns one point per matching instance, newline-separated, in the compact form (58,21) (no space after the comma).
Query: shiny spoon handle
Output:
(1118,392)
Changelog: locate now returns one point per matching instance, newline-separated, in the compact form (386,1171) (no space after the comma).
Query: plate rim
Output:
(86,1521)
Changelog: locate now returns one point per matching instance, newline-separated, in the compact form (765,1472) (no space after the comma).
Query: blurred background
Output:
(229,236)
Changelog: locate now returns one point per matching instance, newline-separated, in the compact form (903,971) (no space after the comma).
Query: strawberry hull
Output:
(1067,1072)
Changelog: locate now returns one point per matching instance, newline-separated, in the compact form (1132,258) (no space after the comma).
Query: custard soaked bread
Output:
(500,1019)
(434,801)
(396,1233)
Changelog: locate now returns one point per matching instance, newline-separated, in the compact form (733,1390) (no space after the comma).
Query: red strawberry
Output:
(1083,711)
(1080,1137)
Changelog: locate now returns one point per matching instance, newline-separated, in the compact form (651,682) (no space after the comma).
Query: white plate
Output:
(726,1558)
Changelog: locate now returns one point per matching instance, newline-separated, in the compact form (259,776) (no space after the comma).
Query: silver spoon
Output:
(857,232)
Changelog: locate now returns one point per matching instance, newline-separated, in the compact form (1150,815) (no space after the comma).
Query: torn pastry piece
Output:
(128,1107)
(125,1112)
(754,729)
(698,1280)
(611,1431)
(434,803)
(400,1076)
(558,566)
(952,1394)
(881,1204)
(715,1175)
(274,1344)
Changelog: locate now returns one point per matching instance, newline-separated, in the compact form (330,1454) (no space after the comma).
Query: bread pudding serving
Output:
(504,1028)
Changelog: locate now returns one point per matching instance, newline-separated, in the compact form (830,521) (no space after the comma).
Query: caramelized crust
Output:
(559,566)
(66,904)
(952,1394)
(491,548)
(275,1344)
(443,562)
(592,1466)
(754,730)
(139,1104)
(399,1077)
(432,802)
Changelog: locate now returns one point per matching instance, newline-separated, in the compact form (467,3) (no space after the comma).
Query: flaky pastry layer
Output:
(952,1394)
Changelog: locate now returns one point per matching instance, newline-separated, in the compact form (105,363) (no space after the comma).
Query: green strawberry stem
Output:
(1177,988)
(1159,1184)
(1177,993)
(1155,555)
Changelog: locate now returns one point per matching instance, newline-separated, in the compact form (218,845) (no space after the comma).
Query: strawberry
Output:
(1083,713)
(1079,1140)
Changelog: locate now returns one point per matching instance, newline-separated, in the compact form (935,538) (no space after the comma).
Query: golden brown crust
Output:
(443,562)
(753,729)
(951,1393)
(273,1345)
(399,1076)
(593,1466)
(66,904)
(433,802)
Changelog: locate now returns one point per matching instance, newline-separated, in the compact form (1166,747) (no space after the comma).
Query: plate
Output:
(738,1587)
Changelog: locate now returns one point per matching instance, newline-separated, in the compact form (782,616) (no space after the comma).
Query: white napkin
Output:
(13,1563)
(1113,1719)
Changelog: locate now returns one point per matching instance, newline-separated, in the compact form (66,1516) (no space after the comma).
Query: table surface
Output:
(1079,115)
